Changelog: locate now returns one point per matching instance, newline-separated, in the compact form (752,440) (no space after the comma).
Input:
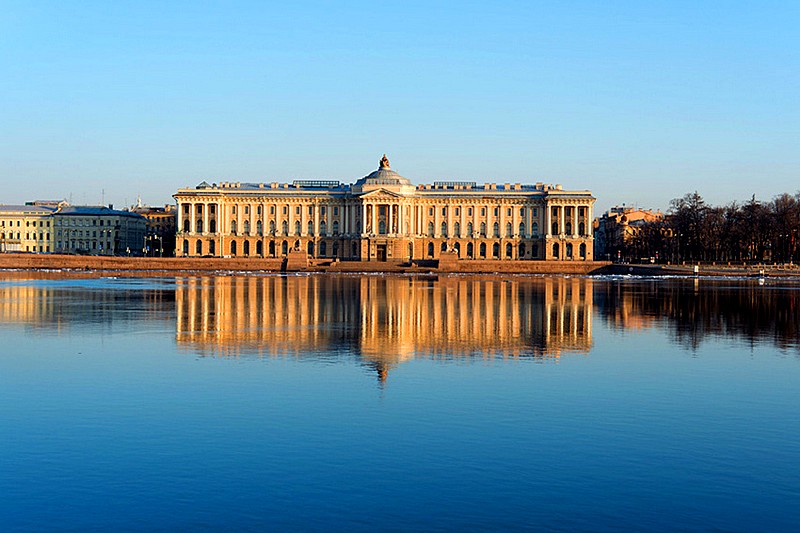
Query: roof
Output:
(32,209)
(77,210)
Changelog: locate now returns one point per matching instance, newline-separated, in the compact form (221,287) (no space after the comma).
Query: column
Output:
(561,229)
(548,222)
(375,219)
(575,221)
(192,225)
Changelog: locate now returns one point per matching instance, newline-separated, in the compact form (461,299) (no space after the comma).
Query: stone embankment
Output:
(172,265)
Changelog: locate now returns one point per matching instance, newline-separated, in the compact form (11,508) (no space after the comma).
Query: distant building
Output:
(98,231)
(161,226)
(26,228)
(384,217)
(616,229)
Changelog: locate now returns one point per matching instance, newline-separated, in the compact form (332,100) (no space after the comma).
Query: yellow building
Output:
(384,217)
(26,228)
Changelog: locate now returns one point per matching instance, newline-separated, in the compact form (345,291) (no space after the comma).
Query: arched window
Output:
(246,248)
(554,228)
(381,227)
(335,249)
(284,247)
(297,227)
(521,250)
(430,248)
(272,227)
(212,248)
(323,228)
(457,249)
(212,226)
(496,230)
(198,225)
(430,229)
(483,229)
(233,248)
(259,228)
(285,227)
(509,230)
(335,230)
(443,248)
(556,255)
(470,229)
(522,229)
(259,248)
(582,250)
(457,229)
(470,250)
(323,249)
(569,249)
(509,249)
(410,250)
(271,248)
(310,248)
(483,250)
(246,227)
(568,228)
(535,229)
(444,229)
(186,225)
(198,247)
(582,229)
(185,247)
(310,228)
(496,250)
(233,227)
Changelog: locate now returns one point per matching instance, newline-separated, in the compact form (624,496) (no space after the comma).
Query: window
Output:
(444,229)
(286,210)
(497,211)
(246,226)
(323,210)
(458,211)
(185,209)
(469,211)
(335,211)
(212,208)
(310,228)
(496,229)
(457,229)
(509,230)
(430,211)
(469,229)
(199,209)
(508,212)
(483,211)
(297,228)
(233,209)
(272,210)
(444,211)
(297,210)
(335,228)
(430,229)
(258,210)
(483,229)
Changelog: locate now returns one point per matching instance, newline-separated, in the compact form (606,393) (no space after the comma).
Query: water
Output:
(363,403)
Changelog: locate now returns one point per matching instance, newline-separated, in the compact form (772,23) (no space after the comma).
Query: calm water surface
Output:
(363,403)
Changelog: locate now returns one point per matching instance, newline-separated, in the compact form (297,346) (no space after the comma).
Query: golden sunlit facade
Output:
(383,217)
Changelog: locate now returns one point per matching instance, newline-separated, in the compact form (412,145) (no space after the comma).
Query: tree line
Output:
(693,231)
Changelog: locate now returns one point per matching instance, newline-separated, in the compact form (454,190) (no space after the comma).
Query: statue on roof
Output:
(384,162)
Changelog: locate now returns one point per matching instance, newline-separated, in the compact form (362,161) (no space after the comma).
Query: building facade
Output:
(615,231)
(384,217)
(160,236)
(26,228)
(98,231)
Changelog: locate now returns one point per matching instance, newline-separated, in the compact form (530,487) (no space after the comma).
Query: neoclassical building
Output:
(384,217)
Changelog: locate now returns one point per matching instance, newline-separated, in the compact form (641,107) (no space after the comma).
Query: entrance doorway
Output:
(380,252)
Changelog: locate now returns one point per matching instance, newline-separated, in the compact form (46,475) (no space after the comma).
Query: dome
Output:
(384,177)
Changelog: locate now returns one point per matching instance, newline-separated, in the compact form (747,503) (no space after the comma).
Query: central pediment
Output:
(381,194)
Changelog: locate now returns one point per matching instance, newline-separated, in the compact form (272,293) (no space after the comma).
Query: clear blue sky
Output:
(640,102)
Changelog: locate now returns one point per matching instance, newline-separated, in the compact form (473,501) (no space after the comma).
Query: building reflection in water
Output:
(384,320)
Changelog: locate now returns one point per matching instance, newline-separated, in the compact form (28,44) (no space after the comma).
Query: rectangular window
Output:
(199,209)
(497,211)
(233,209)
(185,209)
(213,208)
(323,210)
(247,210)
(272,210)
(469,211)
(297,210)
(444,211)
(310,210)
(430,211)
(535,212)
(286,210)
(508,212)
(335,211)
(458,211)
(483,211)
